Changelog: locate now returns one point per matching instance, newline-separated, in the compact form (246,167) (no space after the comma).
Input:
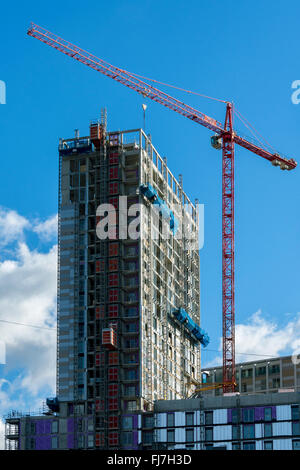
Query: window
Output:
(113,264)
(276,383)
(248,415)
(113,311)
(170,419)
(189,419)
(296,445)
(113,173)
(113,357)
(131,405)
(274,369)
(130,374)
(112,404)
(99,265)
(80,441)
(296,428)
(295,412)
(236,433)
(147,437)
(114,201)
(127,422)
(130,391)
(99,439)
(113,374)
(100,358)
(189,435)
(113,249)
(113,439)
(236,446)
(113,280)
(170,435)
(130,358)
(235,416)
(80,425)
(113,188)
(268,430)
(30,443)
(113,158)
(208,434)
(131,327)
(268,414)
(113,295)
(131,312)
(148,421)
(208,417)
(54,427)
(248,431)
(248,445)
(113,390)
(260,371)
(90,440)
(246,373)
(127,438)
(268,445)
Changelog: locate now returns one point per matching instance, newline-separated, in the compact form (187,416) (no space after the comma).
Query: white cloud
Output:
(12,226)
(28,296)
(47,229)
(261,338)
(266,338)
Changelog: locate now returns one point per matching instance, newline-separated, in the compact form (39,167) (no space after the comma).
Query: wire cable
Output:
(204,350)
(178,88)
(240,354)
(28,325)
(254,131)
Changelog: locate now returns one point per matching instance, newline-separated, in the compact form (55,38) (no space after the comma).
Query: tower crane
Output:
(224,138)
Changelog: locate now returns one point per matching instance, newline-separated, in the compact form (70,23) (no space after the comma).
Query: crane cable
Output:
(254,131)
(177,88)
(239,115)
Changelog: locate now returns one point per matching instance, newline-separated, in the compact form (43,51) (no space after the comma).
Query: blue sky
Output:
(241,51)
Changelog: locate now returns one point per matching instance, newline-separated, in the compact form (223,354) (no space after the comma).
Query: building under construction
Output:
(128,300)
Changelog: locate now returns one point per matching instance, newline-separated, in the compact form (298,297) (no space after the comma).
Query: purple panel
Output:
(70,440)
(229,416)
(43,426)
(48,426)
(39,426)
(70,424)
(43,443)
(273,412)
(39,443)
(259,414)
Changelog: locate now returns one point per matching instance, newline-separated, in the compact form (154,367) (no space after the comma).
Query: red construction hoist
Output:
(224,138)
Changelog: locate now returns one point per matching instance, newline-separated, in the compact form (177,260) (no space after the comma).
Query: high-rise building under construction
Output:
(128,289)
(128,304)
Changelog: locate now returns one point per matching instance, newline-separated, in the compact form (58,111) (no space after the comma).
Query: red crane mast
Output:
(224,138)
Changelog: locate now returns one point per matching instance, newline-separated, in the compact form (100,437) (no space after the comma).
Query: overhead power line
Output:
(203,350)
(241,353)
(28,325)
